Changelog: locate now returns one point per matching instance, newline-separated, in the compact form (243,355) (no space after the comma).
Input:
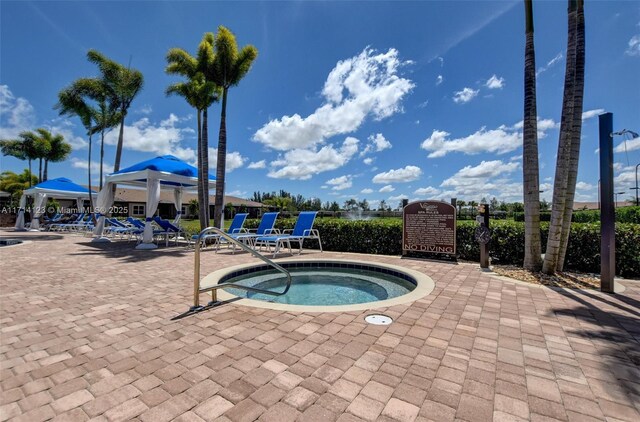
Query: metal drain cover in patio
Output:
(377,319)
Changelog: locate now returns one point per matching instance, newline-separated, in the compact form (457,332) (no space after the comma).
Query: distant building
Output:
(134,200)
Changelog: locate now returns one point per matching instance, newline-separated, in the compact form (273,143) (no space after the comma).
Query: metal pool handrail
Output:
(196,272)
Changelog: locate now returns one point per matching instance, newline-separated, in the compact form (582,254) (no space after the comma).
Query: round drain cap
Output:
(377,319)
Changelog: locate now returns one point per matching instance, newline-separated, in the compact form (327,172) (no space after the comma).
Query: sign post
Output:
(607,211)
(483,234)
(429,227)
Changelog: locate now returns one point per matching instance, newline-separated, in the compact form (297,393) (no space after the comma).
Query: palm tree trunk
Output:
(531,182)
(45,176)
(205,163)
(201,210)
(116,164)
(576,133)
(39,170)
(101,156)
(30,174)
(222,160)
(89,184)
(564,149)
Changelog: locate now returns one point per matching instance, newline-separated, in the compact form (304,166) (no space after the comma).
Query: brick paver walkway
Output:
(87,334)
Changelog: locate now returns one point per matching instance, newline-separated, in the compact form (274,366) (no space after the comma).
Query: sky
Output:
(367,100)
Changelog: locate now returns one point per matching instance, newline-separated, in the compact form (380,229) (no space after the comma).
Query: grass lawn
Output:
(193,226)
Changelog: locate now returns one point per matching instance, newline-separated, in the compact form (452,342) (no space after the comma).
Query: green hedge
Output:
(623,215)
(384,237)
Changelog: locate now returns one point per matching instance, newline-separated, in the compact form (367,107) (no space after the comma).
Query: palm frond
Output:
(246,57)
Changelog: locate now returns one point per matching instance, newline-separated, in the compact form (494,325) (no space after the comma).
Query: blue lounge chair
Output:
(168,230)
(73,224)
(117,227)
(264,228)
(302,230)
(234,228)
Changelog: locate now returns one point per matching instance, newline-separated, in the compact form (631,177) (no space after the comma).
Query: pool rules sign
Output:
(429,227)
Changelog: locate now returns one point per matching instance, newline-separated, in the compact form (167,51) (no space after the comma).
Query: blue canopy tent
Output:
(165,172)
(60,188)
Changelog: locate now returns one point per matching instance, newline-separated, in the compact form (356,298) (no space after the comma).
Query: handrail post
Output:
(196,275)
(196,271)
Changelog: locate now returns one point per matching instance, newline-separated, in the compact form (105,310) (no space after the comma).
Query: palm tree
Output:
(71,102)
(559,202)
(530,172)
(42,146)
(229,67)
(122,85)
(576,131)
(16,183)
(58,150)
(23,148)
(199,94)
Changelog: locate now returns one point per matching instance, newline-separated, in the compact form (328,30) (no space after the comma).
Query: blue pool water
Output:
(323,286)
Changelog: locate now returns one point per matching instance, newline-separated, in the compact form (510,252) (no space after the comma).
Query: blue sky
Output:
(366,100)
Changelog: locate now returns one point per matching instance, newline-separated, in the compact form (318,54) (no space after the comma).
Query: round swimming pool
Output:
(323,285)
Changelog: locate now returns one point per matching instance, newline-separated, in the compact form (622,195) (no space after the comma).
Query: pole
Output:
(637,201)
(607,211)
(484,247)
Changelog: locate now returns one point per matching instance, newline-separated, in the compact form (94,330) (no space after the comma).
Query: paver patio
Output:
(86,334)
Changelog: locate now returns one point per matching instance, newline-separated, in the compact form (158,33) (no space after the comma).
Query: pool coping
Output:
(424,286)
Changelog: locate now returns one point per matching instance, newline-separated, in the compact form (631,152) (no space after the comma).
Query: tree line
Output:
(102,103)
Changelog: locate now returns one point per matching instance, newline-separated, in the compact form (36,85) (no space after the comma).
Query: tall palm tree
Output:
(558,205)
(199,93)
(23,148)
(530,171)
(58,150)
(42,146)
(576,132)
(230,66)
(72,103)
(122,84)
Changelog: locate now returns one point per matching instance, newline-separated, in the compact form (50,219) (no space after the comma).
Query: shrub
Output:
(384,237)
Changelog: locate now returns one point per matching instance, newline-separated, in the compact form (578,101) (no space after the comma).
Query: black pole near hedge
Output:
(607,210)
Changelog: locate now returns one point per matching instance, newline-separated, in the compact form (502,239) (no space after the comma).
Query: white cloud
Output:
(584,186)
(549,64)
(406,174)
(301,164)
(145,109)
(237,193)
(257,165)
(95,166)
(376,143)
(495,82)
(358,87)
(628,145)
(340,183)
(366,190)
(16,114)
(428,192)
(165,138)
(387,188)
(516,158)
(591,113)
(398,197)
(234,160)
(489,178)
(439,80)
(464,96)
(368,161)
(502,140)
(633,48)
